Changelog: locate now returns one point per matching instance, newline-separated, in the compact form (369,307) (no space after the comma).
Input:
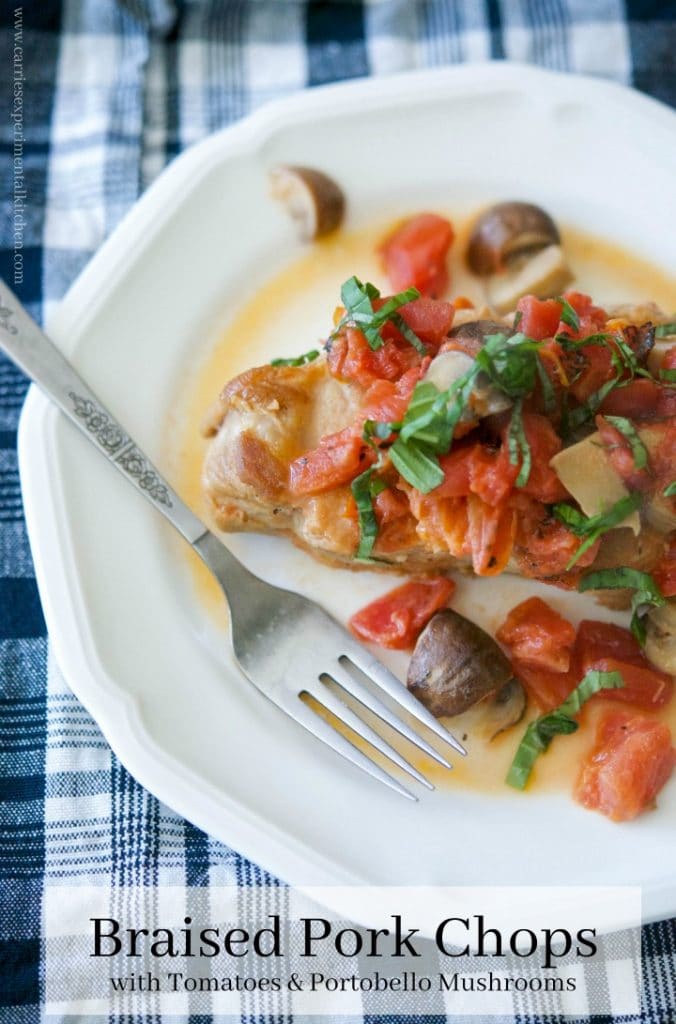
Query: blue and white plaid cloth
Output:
(97,96)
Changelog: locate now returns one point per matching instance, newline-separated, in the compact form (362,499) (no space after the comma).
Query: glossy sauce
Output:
(290,314)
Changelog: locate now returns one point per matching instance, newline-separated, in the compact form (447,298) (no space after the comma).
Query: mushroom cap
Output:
(473,333)
(455,665)
(505,709)
(313,199)
(505,231)
(660,645)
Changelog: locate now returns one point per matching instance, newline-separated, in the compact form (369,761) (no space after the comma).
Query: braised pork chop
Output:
(269,416)
(263,420)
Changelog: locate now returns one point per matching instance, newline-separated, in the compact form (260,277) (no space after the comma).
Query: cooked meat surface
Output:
(273,426)
(263,420)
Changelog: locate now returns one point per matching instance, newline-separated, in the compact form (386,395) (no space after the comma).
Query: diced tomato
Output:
(641,399)
(553,363)
(664,573)
(492,475)
(606,640)
(589,368)
(669,359)
(351,358)
(384,402)
(619,452)
(387,401)
(592,318)
(491,531)
(389,505)
(396,619)
(456,467)
(538,636)
(539,317)
(415,254)
(545,688)
(474,468)
(605,647)
(632,760)
(644,686)
(338,460)
(544,443)
(545,545)
(429,319)
(581,302)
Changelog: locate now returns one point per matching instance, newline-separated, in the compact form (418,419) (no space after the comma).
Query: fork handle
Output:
(32,351)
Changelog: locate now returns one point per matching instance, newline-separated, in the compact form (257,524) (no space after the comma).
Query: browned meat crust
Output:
(268,416)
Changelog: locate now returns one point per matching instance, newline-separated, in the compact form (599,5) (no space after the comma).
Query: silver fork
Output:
(285,644)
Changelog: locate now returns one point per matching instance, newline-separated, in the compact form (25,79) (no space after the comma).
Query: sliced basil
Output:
(548,392)
(519,448)
(540,733)
(357,298)
(628,430)
(647,593)
(593,527)
(587,411)
(307,357)
(363,491)
(417,464)
(568,314)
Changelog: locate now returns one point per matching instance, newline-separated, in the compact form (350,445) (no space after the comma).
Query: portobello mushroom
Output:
(505,709)
(486,399)
(314,200)
(506,231)
(456,665)
(470,336)
(640,338)
(660,647)
(516,246)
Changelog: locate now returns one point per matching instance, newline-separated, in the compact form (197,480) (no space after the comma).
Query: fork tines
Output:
(342,673)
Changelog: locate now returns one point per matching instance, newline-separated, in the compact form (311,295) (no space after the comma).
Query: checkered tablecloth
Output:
(96,97)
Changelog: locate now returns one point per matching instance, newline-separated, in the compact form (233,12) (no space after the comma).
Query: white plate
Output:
(133,642)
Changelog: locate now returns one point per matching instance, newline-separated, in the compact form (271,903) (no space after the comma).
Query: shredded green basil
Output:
(417,464)
(357,298)
(307,357)
(647,593)
(585,412)
(375,428)
(670,490)
(628,430)
(540,733)
(519,448)
(622,356)
(364,490)
(366,487)
(593,527)
(624,363)
(665,330)
(568,314)
(669,376)
(548,392)
(510,362)
(426,414)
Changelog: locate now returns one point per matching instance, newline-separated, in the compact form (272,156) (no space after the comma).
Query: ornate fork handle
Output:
(23,341)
